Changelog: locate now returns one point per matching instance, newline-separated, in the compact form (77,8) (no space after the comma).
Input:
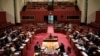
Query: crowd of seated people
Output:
(80,33)
(64,28)
(11,40)
(59,25)
(42,25)
(87,38)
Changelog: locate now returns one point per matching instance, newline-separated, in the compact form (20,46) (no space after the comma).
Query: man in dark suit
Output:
(37,47)
(62,50)
(18,44)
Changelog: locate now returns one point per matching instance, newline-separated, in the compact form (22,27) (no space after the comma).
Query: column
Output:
(14,1)
(86,10)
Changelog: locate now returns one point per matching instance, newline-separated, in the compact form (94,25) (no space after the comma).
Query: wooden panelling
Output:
(97,17)
(40,9)
(2,17)
(61,15)
(97,20)
(3,23)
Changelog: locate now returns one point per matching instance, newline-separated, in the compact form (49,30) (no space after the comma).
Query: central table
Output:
(49,45)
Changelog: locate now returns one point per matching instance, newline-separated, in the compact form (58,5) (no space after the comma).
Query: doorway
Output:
(50,19)
(46,19)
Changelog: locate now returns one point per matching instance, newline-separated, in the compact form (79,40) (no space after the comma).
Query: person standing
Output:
(62,50)
(37,47)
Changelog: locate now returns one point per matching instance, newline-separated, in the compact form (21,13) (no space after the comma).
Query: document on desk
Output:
(17,53)
(65,54)
(98,51)
(77,45)
(71,36)
(84,54)
(27,40)
(85,38)
(91,43)
(2,49)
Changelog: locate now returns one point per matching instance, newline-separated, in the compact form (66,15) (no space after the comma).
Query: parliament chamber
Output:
(38,28)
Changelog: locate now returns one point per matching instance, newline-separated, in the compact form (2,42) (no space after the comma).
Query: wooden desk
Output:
(49,47)
(76,46)
(50,40)
(23,49)
(27,42)
(38,30)
(57,30)
(1,52)
(97,52)
(17,53)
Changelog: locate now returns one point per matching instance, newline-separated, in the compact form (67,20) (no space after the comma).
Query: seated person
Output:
(17,45)
(97,33)
(2,35)
(37,47)
(3,43)
(50,36)
(76,34)
(7,51)
(24,36)
(12,49)
(68,49)
(80,41)
(91,50)
(8,38)
(86,46)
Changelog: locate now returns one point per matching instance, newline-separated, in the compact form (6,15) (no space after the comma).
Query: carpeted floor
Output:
(50,29)
(39,37)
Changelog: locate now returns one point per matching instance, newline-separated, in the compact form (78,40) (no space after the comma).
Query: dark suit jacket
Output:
(37,48)
(91,50)
(62,48)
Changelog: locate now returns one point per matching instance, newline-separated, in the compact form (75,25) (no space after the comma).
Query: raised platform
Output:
(51,40)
